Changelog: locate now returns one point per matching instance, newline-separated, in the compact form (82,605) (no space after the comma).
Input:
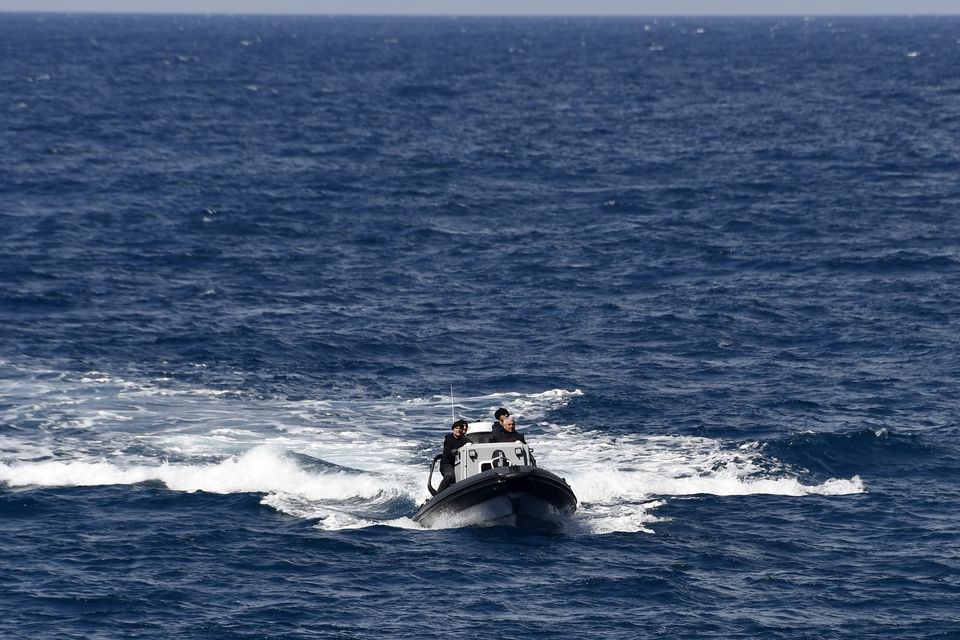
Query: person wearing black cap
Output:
(453,441)
(499,415)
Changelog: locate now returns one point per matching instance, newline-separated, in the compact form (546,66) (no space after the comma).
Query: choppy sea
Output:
(712,265)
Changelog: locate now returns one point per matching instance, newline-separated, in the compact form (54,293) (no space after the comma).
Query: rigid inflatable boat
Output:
(497,483)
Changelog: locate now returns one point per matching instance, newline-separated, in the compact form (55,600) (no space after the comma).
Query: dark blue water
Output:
(711,264)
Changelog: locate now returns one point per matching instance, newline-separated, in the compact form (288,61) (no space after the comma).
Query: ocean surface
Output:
(712,265)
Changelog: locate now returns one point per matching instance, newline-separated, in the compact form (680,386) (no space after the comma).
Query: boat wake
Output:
(347,463)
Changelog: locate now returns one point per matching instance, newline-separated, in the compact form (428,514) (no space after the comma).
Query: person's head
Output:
(500,414)
(509,424)
(459,427)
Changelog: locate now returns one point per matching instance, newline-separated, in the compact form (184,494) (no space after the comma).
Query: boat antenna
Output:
(453,416)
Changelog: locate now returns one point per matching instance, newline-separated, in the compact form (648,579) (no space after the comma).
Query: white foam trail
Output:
(622,518)
(328,517)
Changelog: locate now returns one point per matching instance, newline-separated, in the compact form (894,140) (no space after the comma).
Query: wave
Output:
(864,451)
(264,469)
(899,262)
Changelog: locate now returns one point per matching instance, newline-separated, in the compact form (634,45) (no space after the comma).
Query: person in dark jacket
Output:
(509,432)
(499,416)
(453,441)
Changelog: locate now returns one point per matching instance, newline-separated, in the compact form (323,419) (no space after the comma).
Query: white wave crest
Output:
(605,486)
(260,470)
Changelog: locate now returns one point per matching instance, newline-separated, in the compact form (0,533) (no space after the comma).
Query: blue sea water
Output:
(711,264)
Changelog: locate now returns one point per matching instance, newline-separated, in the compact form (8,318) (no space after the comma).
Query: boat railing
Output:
(433,465)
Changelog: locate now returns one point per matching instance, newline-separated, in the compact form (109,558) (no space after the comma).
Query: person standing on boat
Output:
(509,432)
(453,441)
(499,415)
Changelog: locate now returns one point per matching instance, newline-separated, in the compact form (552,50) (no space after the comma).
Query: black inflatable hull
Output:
(522,496)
